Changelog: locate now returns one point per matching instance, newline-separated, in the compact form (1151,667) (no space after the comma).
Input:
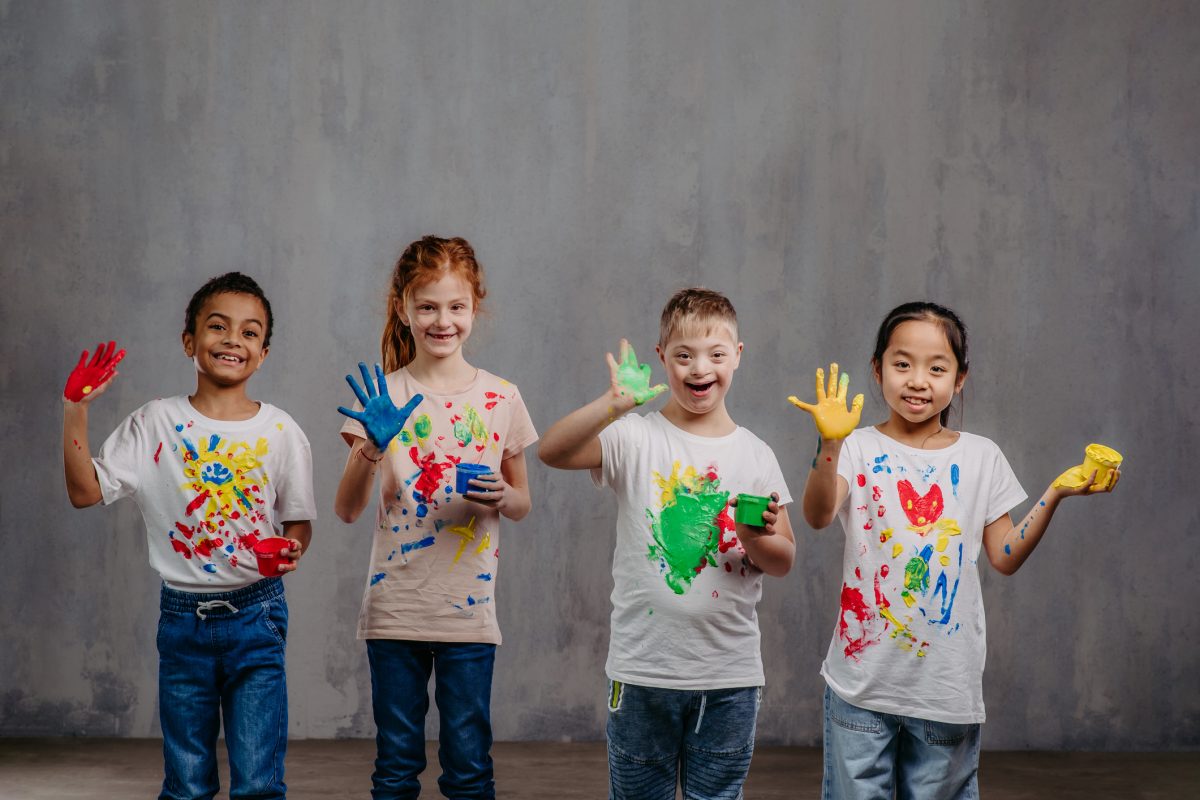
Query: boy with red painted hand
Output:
(212,474)
(683,661)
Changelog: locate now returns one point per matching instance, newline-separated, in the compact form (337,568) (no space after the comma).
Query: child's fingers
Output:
(833,381)
(798,403)
(98,355)
(367,383)
(357,416)
(381,381)
(857,405)
(358,392)
(820,384)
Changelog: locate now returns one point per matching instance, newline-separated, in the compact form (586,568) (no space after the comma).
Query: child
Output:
(212,473)
(429,600)
(683,659)
(904,671)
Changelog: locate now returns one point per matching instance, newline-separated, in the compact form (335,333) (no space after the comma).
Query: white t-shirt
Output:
(910,637)
(684,593)
(208,489)
(435,561)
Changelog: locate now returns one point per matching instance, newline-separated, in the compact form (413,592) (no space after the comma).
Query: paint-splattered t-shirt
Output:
(684,594)
(910,636)
(435,555)
(208,489)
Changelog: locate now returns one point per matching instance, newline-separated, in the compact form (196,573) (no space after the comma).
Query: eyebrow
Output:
(227,318)
(909,355)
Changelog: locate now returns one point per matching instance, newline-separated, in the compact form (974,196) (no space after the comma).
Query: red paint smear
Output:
(199,501)
(247,541)
(433,473)
(182,548)
(854,604)
(449,404)
(205,546)
(915,506)
(876,493)
(858,573)
(725,526)
(827,458)
(881,511)
(157,452)
(185,530)
(867,527)
(496,436)
(728,567)
(883,570)
(862,480)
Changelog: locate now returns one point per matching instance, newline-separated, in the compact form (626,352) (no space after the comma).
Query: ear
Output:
(262,356)
(662,357)
(189,342)
(737,355)
(959,381)
(400,312)
(877,371)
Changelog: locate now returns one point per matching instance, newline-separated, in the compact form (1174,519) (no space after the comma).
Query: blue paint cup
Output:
(465,472)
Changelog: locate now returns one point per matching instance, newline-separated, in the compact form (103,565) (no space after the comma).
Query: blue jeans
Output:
(221,655)
(871,756)
(702,739)
(400,673)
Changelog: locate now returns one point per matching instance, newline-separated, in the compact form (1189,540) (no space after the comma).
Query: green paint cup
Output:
(749,509)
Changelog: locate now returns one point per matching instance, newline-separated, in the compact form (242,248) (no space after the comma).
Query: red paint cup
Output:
(267,553)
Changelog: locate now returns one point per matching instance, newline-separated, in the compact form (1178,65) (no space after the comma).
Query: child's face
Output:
(700,361)
(918,373)
(440,315)
(227,346)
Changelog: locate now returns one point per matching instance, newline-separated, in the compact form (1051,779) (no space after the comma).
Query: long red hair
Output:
(422,262)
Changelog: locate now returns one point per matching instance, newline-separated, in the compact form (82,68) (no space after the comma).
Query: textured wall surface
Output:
(1034,165)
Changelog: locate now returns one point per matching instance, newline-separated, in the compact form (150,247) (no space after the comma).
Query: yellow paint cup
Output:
(1103,460)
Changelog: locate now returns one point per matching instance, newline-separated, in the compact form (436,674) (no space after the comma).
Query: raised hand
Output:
(379,417)
(631,379)
(89,379)
(833,419)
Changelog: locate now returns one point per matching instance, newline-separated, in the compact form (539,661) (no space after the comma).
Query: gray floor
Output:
(120,769)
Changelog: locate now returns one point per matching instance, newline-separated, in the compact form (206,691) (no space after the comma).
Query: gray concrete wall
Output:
(1034,165)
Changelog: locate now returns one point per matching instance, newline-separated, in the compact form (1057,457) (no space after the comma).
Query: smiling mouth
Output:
(700,389)
(440,337)
(229,358)
(916,401)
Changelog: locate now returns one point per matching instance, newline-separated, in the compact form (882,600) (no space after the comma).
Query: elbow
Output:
(346,513)
(548,456)
(81,498)
(817,521)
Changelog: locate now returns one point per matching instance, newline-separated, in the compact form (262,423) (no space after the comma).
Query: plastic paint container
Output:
(1101,459)
(267,553)
(465,472)
(749,509)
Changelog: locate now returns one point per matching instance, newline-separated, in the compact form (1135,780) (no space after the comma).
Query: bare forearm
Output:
(354,489)
(300,531)
(572,442)
(819,503)
(83,488)
(517,503)
(1009,549)
(774,555)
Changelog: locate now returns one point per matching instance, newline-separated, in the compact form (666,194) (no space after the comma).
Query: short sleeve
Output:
(616,442)
(521,432)
(771,476)
(294,501)
(1006,491)
(117,463)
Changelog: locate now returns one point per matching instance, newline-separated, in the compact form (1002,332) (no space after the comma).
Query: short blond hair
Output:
(695,308)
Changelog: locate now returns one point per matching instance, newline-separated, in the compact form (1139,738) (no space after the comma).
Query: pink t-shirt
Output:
(435,554)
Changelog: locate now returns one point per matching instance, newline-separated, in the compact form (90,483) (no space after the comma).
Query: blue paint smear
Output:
(213,441)
(210,568)
(376,578)
(927,553)
(408,547)
(954,478)
(881,465)
(470,600)
(178,427)
(948,597)
(403,512)
(928,473)
(484,576)
(422,510)
(1042,503)
(449,490)
(1007,550)
(391,555)
(229,548)
(395,529)
(191,448)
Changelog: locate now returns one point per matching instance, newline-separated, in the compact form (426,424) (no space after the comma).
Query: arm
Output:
(825,491)
(300,534)
(85,383)
(382,421)
(1008,545)
(508,492)
(772,547)
(574,441)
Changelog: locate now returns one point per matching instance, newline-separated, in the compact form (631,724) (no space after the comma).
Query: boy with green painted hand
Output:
(684,666)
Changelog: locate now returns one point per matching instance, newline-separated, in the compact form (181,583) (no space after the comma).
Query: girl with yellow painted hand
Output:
(917,501)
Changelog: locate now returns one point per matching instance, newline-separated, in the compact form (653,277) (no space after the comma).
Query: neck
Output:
(228,403)
(444,374)
(928,434)
(714,423)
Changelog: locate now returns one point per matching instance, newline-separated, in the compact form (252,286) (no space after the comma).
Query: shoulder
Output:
(273,420)
(490,382)
(980,444)
(159,411)
(749,440)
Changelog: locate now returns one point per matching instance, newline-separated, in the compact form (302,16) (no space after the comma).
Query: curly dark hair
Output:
(234,282)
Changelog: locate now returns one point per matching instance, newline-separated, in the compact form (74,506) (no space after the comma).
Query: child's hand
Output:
(379,417)
(830,414)
(631,380)
(489,490)
(87,381)
(1074,482)
(292,555)
(770,517)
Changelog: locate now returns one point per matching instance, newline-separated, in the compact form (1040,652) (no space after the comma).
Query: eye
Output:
(901,364)
(938,369)
(216,326)
(251,334)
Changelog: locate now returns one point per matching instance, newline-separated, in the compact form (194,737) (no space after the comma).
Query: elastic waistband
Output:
(188,602)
